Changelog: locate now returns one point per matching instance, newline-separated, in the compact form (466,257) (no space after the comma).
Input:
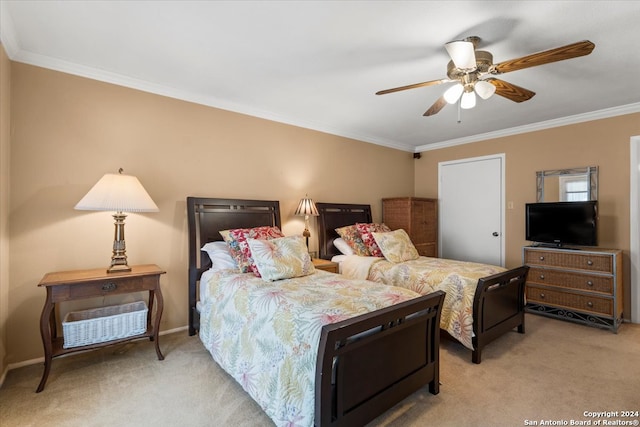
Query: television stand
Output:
(554,246)
(580,286)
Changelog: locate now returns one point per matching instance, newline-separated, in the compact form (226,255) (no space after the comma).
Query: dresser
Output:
(418,217)
(583,286)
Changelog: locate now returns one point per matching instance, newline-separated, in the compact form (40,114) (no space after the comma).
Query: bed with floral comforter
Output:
(482,303)
(266,334)
(424,275)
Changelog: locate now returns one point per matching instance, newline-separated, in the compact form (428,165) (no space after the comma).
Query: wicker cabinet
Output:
(418,217)
(579,285)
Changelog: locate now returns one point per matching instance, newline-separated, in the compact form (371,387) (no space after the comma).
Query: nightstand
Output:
(80,284)
(326,265)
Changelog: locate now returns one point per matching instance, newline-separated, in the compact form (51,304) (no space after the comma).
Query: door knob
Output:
(494,234)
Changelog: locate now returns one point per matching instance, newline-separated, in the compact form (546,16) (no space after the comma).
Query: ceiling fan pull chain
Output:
(460,110)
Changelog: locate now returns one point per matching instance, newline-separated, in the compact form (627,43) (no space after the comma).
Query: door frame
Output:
(502,158)
(634,228)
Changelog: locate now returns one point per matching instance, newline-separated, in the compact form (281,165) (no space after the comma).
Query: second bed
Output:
(482,301)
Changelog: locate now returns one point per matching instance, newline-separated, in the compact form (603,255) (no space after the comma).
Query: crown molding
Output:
(158,89)
(548,124)
(15,53)
(7,32)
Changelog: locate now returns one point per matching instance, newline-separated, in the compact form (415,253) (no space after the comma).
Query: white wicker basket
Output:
(103,324)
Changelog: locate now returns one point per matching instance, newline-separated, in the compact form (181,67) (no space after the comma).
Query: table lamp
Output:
(119,193)
(306,208)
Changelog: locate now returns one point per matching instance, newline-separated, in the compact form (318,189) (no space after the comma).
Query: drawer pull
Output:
(541,258)
(589,304)
(589,283)
(589,262)
(542,277)
(108,287)
(542,295)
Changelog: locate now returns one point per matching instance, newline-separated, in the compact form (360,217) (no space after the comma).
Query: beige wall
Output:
(604,143)
(5,125)
(69,131)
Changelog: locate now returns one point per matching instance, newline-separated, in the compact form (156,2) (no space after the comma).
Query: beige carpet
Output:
(556,371)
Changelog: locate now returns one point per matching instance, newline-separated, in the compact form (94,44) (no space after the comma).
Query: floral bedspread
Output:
(458,279)
(266,334)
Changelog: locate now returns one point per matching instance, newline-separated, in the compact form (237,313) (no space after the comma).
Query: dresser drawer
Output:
(570,260)
(571,280)
(104,287)
(590,303)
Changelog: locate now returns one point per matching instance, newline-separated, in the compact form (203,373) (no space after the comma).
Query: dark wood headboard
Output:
(336,215)
(206,218)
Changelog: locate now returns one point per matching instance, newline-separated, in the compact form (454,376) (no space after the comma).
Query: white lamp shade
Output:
(468,100)
(462,54)
(452,94)
(117,193)
(307,207)
(484,89)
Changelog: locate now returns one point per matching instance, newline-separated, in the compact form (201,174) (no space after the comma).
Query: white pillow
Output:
(343,246)
(219,255)
(281,258)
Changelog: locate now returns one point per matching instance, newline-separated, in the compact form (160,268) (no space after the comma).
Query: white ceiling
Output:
(317,64)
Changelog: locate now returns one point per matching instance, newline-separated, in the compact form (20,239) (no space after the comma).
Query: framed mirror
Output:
(567,185)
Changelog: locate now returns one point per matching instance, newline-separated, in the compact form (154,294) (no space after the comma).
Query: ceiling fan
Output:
(472,72)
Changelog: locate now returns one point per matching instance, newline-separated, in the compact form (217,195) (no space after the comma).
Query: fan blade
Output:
(436,107)
(414,86)
(511,91)
(558,54)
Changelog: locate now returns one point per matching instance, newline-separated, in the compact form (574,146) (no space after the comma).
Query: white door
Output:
(471,207)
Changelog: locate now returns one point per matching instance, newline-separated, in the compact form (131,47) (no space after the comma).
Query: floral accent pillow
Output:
(366,235)
(396,246)
(281,258)
(237,240)
(351,235)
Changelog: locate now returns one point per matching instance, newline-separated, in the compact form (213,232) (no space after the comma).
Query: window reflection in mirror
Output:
(567,185)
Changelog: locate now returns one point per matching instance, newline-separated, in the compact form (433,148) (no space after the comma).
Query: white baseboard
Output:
(41,359)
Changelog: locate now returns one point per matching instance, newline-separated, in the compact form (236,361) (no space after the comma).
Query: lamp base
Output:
(119,257)
(306,234)
(118,268)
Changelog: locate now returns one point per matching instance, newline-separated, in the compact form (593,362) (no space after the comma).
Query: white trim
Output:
(634,228)
(209,101)
(41,359)
(15,53)
(7,32)
(563,121)
(502,157)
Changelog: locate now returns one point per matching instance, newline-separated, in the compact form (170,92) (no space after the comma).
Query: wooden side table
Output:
(80,284)
(326,265)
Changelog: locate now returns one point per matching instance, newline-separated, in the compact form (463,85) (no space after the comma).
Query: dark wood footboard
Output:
(498,307)
(369,363)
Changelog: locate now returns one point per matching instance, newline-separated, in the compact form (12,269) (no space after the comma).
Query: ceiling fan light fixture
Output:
(468,100)
(484,89)
(452,94)
(471,71)
(462,54)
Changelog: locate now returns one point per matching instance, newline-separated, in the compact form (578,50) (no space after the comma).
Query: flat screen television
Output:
(562,223)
